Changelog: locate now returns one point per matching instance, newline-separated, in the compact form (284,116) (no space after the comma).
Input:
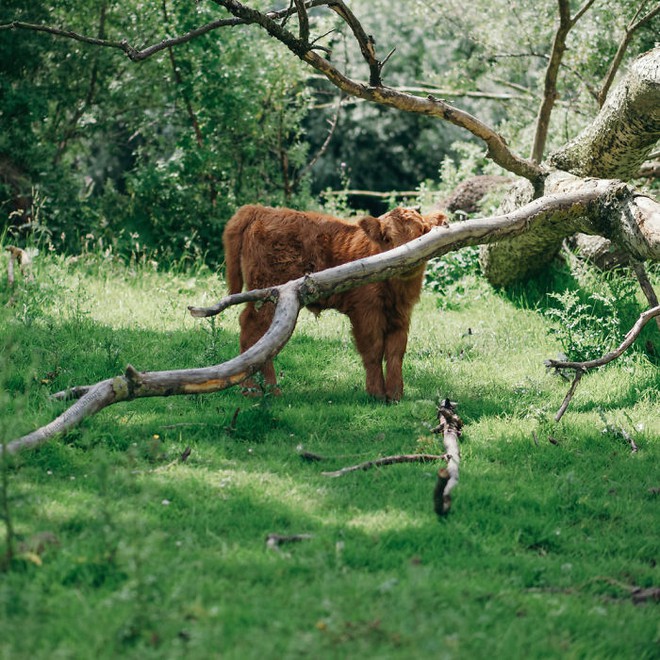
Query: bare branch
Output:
(386,460)
(646,286)
(566,23)
(629,339)
(334,122)
(256,295)
(123,45)
(582,367)
(581,11)
(303,21)
(633,26)
(366,42)
(176,73)
(569,395)
(498,150)
(497,147)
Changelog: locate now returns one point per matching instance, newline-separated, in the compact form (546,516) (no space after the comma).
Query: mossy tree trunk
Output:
(613,146)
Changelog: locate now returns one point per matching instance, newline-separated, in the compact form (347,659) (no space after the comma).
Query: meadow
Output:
(142,533)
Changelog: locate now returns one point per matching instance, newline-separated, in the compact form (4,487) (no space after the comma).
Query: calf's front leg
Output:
(395,348)
(254,324)
(369,343)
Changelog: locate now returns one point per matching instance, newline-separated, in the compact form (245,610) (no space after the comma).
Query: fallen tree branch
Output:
(450,426)
(570,210)
(133,384)
(385,460)
(581,368)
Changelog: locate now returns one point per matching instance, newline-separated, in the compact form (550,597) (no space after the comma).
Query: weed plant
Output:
(124,549)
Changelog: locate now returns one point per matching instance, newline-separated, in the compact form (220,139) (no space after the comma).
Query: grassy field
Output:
(125,550)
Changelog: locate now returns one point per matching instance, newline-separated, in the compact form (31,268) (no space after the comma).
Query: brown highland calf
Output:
(269,246)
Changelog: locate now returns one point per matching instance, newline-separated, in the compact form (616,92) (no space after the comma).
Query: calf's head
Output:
(399,226)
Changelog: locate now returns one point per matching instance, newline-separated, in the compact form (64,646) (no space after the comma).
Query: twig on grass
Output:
(385,460)
(274,541)
(620,431)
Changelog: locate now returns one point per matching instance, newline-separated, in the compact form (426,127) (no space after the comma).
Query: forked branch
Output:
(581,368)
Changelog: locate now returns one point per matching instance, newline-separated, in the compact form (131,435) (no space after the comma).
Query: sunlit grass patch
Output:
(150,554)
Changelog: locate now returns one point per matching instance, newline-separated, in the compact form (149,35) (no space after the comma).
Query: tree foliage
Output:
(157,155)
(154,156)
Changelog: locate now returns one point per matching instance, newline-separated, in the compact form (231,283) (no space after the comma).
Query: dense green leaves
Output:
(156,155)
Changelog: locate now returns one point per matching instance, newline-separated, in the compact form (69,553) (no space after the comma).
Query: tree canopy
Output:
(156,154)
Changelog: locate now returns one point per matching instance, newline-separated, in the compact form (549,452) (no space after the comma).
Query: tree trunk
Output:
(614,145)
(620,139)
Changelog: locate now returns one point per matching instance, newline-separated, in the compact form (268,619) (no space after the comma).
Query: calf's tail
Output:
(232,240)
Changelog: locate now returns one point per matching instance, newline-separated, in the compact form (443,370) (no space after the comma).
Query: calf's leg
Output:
(369,343)
(254,324)
(395,348)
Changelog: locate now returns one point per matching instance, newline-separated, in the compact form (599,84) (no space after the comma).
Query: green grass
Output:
(124,551)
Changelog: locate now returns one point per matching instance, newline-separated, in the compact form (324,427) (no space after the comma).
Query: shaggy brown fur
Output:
(269,246)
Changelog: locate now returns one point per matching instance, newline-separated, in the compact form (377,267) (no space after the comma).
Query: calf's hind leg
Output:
(254,324)
(395,348)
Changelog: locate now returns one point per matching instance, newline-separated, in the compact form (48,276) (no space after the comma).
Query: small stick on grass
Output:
(450,426)
(385,460)
(274,541)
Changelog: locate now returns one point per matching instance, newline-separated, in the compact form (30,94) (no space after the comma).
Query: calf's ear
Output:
(373,228)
